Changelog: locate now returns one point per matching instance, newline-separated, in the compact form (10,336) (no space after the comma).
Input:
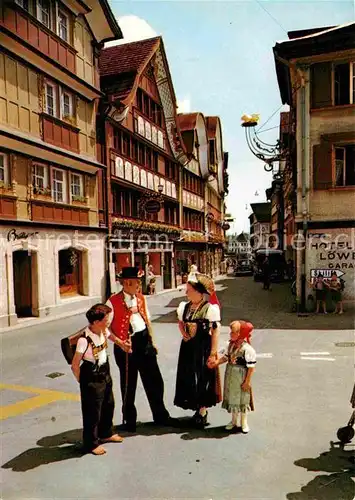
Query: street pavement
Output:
(302,386)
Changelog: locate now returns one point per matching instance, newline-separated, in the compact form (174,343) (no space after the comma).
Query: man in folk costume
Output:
(136,353)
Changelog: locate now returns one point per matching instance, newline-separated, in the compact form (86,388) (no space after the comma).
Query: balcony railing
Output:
(60,134)
(64,214)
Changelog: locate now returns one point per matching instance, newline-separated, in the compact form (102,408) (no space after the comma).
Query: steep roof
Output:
(243,237)
(128,58)
(187,121)
(101,20)
(262,211)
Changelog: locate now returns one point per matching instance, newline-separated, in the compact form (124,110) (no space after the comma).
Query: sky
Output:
(221,61)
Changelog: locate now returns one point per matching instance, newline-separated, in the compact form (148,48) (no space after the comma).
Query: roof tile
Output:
(126,58)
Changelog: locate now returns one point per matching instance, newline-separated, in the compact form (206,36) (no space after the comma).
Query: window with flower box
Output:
(40,179)
(77,187)
(59,103)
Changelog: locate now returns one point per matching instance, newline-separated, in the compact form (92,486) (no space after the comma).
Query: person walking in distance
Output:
(130,322)
(266,274)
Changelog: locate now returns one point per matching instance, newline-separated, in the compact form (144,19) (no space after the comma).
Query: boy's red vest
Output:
(122,314)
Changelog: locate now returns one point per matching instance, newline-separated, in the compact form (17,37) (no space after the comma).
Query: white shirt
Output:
(213,312)
(137,322)
(83,346)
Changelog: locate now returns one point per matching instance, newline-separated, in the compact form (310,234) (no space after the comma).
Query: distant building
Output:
(243,246)
(260,224)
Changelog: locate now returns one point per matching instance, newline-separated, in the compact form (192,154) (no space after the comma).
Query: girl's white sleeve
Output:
(250,356)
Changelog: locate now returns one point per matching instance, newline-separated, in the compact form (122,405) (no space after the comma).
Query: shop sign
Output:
(152,206)
(326,273)
(330,251)
(13,235)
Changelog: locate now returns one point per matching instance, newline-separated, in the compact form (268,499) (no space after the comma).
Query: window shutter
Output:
(322,165)
(321,85)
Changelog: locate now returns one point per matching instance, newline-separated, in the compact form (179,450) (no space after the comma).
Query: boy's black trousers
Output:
(97,403)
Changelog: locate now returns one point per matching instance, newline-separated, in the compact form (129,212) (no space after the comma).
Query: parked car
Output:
(276,261)
(244,267)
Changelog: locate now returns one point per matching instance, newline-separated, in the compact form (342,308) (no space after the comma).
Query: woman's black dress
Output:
(197,386)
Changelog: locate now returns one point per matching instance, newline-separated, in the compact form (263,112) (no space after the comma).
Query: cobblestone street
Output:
(243,298)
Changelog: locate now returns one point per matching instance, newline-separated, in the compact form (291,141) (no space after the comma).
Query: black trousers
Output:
(97,403)
(142,360)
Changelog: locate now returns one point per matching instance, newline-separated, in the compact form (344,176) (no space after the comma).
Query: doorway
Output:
(167,271)
(23,283)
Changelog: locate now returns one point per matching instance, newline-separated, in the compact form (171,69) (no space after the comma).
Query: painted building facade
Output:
(203,191)
(52,218)
(144,152)
(318,83)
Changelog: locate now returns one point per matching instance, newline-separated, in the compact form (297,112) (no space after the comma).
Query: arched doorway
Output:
(70,272)
(25,283)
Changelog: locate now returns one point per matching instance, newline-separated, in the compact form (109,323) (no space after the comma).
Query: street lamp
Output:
(268,153)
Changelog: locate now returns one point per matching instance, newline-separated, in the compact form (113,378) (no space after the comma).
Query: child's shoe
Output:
(230,426)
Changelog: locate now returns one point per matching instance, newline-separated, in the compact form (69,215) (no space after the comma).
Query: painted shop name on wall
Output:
(13,235)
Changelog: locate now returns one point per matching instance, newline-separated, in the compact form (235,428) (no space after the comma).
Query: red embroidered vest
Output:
(122,314)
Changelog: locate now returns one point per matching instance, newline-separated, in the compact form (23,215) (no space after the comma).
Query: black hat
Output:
(130,273)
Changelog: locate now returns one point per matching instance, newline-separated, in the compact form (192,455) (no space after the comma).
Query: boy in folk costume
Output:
(241,358)
(130,322)
(92,370)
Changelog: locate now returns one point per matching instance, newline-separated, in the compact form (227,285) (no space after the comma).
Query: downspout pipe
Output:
(304,193)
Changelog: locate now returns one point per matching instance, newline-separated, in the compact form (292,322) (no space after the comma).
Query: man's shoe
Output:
(129,427)
(199,420)
(168,422)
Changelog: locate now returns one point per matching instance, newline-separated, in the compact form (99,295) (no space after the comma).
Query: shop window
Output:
(70,272)
(4,170)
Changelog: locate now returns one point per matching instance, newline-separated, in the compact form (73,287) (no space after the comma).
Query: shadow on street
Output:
(67,445)
(338,484)
(51,449)
(243,298)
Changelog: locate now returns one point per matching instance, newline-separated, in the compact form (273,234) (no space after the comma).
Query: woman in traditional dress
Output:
(197,386)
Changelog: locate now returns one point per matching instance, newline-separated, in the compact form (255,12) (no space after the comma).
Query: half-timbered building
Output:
(52,213)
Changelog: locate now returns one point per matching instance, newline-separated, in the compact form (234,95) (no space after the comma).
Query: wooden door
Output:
(22,283)
(167,271)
